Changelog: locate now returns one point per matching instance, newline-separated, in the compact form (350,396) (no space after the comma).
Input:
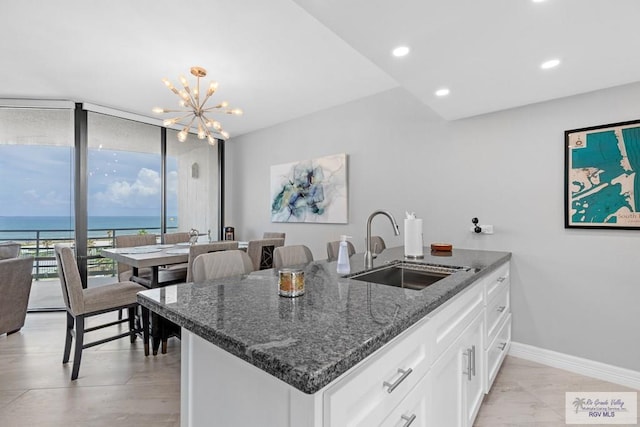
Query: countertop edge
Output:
(304,381)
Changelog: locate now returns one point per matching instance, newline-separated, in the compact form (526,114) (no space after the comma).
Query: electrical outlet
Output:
(486,229)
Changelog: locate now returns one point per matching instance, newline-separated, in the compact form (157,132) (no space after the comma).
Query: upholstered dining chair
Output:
(261,252)
(377,244)
(83,303)
(129,241)
(334,247)
(15,287)
(203,248)
(216,265)
(288,256)
(273,235)
(177,237)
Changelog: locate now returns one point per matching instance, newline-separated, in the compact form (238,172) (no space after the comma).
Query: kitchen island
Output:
(251,357)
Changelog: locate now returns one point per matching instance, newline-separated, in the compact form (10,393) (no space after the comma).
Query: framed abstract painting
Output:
(602,185)
(310,191)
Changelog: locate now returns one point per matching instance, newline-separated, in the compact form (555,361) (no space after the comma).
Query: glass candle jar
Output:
(291,282)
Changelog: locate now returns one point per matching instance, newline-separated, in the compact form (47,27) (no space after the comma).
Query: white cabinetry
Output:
(366,394)
(433,374)
(456,385)
(497,337)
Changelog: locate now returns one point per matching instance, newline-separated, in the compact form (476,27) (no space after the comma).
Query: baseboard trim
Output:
(578,365)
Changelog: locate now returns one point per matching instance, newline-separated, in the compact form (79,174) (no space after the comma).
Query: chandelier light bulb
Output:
(193,108)
(213,86)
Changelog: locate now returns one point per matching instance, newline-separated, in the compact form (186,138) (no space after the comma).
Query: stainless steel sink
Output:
(407,274)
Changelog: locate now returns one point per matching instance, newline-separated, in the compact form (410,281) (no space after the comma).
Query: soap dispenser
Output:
(343,256)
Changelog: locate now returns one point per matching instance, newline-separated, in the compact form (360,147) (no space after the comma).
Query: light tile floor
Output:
(117,384)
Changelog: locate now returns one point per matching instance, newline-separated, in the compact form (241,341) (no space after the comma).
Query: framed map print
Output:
(602,184)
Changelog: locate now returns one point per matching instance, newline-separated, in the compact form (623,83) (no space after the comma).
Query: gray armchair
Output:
(15,287)
(9,250)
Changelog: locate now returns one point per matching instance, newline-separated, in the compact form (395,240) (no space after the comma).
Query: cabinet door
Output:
(446,389)
(472,382)
(456,380)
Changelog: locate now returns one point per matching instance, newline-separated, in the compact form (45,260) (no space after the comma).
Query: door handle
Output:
(473,356)
(467,353)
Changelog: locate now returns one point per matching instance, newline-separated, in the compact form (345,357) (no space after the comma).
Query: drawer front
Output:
(365,395)
(497,309)
(450,320)
(497,351)
(495,281)
(413,410)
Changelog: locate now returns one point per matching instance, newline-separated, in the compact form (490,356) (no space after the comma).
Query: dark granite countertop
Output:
(309,341)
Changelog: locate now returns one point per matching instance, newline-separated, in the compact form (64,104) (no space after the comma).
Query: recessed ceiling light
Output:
(442,92)
(400,51)
(550,64)
(538,1)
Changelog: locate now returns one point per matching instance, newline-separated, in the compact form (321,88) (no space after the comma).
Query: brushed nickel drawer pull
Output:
(409,420)
(502,279)
(501,308)
(502,346)
(467,353)
(473,356)
(396,383)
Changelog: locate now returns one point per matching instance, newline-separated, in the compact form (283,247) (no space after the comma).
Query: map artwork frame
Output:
(602,177)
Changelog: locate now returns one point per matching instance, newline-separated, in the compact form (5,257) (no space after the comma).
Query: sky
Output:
(36,180)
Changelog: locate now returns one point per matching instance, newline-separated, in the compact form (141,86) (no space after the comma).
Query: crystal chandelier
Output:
(194,111)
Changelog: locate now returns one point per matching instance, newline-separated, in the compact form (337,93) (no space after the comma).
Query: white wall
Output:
(574,291)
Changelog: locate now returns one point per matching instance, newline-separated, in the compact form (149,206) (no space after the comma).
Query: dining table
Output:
(154,257)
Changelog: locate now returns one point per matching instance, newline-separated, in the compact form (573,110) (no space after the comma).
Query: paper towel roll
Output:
(413,238)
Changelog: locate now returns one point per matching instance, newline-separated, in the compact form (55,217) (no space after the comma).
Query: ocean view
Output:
(60,227)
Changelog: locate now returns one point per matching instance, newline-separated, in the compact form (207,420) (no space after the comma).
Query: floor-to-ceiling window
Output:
(123,185)
(124,158)
(36,189)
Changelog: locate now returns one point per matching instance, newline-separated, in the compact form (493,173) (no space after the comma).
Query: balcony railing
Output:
(39,244)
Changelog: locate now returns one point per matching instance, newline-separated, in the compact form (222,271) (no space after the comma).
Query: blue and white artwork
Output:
(310,191)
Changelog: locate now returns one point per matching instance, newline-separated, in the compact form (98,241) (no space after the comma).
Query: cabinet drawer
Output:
(495,281)
(452,318)
(365,395)
(413,410)
(497,351)
(497,309)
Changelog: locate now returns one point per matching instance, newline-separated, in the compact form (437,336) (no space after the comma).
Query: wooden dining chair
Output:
(216,265)
(83,303)
(261,252)
(334,247)
(289,256)
(203,248)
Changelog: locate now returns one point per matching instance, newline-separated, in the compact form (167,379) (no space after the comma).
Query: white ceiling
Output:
(282,59)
